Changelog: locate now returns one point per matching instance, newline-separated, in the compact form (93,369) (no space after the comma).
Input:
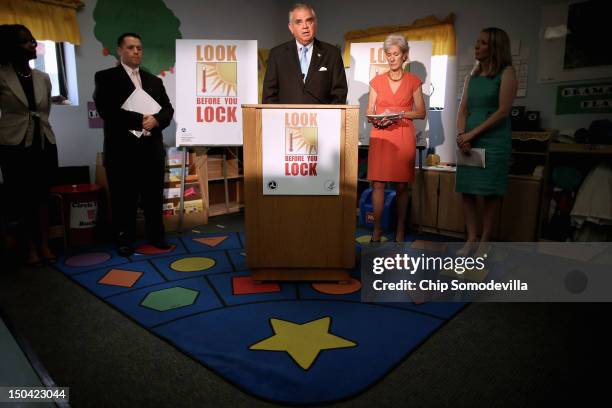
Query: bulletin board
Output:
(553,36)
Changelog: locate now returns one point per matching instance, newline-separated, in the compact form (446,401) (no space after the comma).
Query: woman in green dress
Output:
(483,122)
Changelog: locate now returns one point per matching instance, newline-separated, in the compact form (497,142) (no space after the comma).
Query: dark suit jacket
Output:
(283,81)
(113,87)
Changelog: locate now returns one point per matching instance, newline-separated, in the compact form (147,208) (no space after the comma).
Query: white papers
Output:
(475,157)
(141,102)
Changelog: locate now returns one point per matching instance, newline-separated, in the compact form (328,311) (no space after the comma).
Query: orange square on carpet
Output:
(120,277)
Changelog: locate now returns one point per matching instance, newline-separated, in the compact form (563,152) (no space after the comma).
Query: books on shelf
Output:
(174,156)
(174,174)
(168,209)
(173,192)
(193,206)
(190,207)
(190,192)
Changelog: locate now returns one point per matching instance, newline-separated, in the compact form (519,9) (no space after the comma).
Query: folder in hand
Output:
(474,157)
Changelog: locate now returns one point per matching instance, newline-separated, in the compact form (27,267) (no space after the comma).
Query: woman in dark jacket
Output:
(28,154)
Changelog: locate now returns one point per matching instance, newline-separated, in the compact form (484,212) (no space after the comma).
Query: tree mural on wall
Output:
(151,19)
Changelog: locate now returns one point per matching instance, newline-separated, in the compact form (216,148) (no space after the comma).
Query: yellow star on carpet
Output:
(303,342)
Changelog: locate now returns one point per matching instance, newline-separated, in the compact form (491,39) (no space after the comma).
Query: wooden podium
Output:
(300,237)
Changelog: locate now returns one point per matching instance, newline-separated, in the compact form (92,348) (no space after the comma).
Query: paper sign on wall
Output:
(94,119)
(213,78)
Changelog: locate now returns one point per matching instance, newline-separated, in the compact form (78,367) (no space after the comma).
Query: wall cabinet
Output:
(450,209)
(442,210)
(520,210)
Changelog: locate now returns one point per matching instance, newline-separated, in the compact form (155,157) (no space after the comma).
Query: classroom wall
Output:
(265,20)
(520,19)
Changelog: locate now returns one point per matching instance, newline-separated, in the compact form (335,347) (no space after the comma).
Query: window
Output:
(58,61)
(437,91)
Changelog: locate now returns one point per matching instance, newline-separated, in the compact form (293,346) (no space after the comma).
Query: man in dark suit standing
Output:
(304,70)
(134,154)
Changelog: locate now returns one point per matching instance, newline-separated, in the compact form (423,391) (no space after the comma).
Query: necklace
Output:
(395,80)
(24,75)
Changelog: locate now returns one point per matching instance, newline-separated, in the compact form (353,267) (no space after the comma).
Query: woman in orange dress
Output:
(393,141)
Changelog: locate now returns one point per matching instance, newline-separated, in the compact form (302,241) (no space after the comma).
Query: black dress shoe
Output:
(125,250)
(35,264)
(163,245)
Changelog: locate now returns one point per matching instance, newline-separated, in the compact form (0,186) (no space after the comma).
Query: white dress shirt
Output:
(134,75)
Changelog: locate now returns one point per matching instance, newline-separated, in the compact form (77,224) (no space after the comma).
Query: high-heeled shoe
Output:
(468,247)
(38,263)
(379,236)
(483,251)
(48,256)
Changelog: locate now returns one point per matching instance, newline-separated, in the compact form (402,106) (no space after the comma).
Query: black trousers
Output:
(28,173)
(137,179)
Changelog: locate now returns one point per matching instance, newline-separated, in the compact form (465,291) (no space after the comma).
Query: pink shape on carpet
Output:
(245,285)
(148,249)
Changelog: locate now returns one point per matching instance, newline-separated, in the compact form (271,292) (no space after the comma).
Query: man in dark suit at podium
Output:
(304,70)
(134,154)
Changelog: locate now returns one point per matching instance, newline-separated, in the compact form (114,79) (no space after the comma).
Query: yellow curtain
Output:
(441,33)
(52,20)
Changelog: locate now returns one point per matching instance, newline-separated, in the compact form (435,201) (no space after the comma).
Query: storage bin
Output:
(366,210)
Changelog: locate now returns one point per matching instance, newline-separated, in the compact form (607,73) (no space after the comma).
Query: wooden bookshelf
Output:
(219,171)
(191,216)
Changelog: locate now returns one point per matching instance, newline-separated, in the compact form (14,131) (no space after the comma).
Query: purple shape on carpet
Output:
(88,259)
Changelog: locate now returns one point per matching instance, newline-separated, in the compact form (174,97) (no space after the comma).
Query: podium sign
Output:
(306,159)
